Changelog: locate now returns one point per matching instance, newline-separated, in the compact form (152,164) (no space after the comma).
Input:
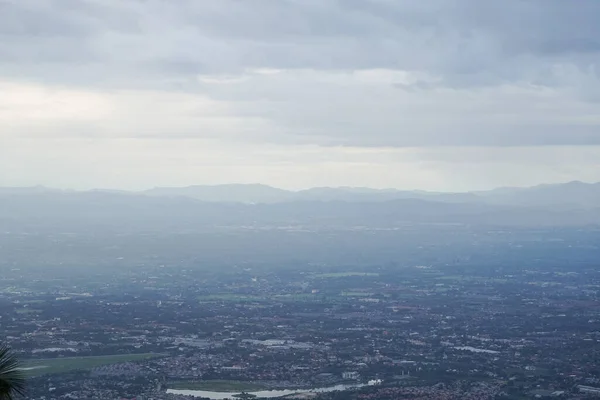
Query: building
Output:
(351,375)
(589,389)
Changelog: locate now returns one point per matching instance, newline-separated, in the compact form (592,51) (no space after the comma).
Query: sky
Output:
(447,95)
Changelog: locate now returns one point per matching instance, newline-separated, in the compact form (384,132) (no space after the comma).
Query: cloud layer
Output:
(416,79)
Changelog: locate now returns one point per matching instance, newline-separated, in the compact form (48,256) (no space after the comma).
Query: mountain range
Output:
(224,226)
(574,193)
(571,194)
(199,207)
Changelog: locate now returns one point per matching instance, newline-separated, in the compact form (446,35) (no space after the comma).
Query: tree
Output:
(12,379)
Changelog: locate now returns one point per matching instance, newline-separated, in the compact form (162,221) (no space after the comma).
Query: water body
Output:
(476,350)
(262,393)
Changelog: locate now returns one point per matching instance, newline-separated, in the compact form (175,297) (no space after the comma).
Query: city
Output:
(430,332)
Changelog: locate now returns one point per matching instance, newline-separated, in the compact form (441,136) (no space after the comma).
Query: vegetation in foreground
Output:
(12,379)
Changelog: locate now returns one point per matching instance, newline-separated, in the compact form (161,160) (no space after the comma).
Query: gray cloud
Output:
(489,41)
(328,72)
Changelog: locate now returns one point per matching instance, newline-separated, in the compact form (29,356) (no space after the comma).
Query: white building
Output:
(351,375)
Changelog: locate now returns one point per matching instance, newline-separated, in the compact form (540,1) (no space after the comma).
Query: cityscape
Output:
(462,330)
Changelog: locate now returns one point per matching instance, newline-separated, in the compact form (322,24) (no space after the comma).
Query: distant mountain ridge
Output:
(118,212)
(574,194)
(256,193)
(41,209)
(231,193)
(571,193)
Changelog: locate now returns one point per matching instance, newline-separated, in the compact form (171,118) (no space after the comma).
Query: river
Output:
(262,393)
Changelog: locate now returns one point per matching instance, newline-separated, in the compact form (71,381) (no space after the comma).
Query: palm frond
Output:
(12,379)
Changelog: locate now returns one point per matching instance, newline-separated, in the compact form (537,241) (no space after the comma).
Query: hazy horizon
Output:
(142,189)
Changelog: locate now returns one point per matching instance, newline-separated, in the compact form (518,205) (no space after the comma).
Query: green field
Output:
(238,298)
(300,297)
(536,372)
(68,364)
(217,386)
(231,297)
(27,311)
(357,294)
(463,278)
(345,274)
(33,301)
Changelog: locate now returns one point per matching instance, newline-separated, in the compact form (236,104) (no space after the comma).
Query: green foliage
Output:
(12,379)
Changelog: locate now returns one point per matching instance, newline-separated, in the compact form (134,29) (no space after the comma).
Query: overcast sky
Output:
(437,94)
